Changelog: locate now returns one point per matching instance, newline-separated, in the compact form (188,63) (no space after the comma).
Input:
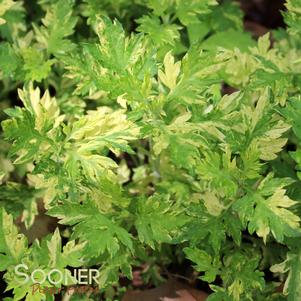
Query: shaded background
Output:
(264,12)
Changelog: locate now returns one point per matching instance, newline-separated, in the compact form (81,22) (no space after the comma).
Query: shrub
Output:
(118,122)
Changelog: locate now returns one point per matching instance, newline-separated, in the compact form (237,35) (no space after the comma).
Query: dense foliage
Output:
(115,116)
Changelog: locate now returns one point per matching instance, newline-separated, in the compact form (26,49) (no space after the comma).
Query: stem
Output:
(68,295)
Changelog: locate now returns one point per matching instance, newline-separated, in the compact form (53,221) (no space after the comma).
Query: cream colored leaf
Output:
(278,203)
(122,100)
(171,71)
(213,204)
(45,108)
(16,243)
(5,5)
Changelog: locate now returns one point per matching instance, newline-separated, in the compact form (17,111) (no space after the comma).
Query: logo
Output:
(55,276)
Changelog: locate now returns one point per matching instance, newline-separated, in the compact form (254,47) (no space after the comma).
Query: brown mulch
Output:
(172,290)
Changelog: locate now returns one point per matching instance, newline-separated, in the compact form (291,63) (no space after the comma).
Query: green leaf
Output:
(204,263)
(71,255)
(266,211)
(5,6)
(24,147)
(292,265)
(291,114)
(36,67)
(20,201)
(156,222)
(58,24)
(159,34)
(39,119)
(292,16)
(118,64)
(100,233)
(9,60)
(12,244)
(229,39)
(246,280)
(189,11)
(219,172)
(91,135)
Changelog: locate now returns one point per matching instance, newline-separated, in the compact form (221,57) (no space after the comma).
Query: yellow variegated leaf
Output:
(213,204)
(45,109)
(171,71)
(12,244)
(5,5)
(271,142)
